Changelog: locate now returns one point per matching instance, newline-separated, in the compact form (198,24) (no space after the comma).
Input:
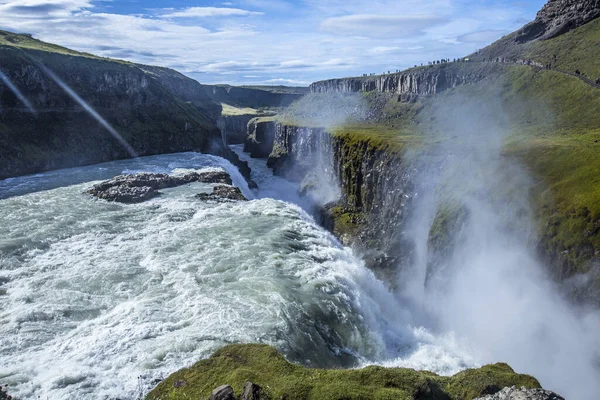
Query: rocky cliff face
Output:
(155,111)
(235,128)
(558,17)
(422,81)
(375,187)
(248,97)
(260,137)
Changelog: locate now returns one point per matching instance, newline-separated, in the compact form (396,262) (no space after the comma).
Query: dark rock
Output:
(512,393)
(251,391)
(234,127)
(126,194)
(224,392)
(204,177)
(142,103)
(223,193)
(178,384)
(260,137)
(558,17)
(136,188)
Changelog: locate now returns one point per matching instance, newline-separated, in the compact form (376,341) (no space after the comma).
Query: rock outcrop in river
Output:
(140,187)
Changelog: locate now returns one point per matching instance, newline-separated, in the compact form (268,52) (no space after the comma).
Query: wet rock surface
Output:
(222,193)
(512,393)
(136,188)
(224,392)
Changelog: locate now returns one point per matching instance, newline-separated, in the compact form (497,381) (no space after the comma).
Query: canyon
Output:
(472,181)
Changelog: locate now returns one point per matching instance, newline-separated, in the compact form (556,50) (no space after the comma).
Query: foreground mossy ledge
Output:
(263,365)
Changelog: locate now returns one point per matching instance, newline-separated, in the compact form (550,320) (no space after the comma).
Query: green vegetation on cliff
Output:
(263,365)
(27,42)
(552,123)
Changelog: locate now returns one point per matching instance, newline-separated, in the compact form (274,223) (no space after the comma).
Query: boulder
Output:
(224,392)
(205,177)
(251,391)
(512,393)
(135,188)
(127,194)
(222,193)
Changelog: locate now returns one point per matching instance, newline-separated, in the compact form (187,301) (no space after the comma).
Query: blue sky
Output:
(270,41)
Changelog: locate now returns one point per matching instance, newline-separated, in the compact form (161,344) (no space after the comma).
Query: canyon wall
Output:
(379,187)
(376,187)
(155,110)
(421,81)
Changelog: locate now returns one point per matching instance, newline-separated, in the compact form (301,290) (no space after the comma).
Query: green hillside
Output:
(553,131)
(279,379)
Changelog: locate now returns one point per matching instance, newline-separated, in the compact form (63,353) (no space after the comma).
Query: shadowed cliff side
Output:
(42,127)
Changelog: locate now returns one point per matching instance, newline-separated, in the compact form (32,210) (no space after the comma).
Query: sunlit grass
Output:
(236,364)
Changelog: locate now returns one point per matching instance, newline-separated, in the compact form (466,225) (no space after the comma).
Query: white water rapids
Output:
(98,300)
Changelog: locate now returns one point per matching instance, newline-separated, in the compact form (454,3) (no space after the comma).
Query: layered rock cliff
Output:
(362,190)
(43,127)
(558,17)
(234,128)
(260,137)
(422,81)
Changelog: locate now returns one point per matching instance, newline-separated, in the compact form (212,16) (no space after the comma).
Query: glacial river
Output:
(101,300)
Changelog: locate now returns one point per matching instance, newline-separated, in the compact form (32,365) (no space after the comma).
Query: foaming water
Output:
(101,299)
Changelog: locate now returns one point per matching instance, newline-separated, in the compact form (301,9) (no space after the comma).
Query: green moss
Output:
(445,224)
(378,137)
(567,197)
(279,379)
(346,221)
(489,379)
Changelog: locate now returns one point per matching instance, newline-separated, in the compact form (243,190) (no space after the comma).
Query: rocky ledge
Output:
(136,188)
(512,393)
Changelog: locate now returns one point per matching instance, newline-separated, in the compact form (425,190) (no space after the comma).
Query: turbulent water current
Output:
(100,300)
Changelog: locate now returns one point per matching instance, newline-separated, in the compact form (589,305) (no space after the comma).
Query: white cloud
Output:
(379,26)
(284,45)
(289,82)
(485,36)
(203,12)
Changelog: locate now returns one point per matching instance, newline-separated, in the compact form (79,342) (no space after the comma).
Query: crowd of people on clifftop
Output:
(501,60)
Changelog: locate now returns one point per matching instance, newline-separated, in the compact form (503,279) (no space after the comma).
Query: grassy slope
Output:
(26,42)
(262,365)
(564,153)
(578,49)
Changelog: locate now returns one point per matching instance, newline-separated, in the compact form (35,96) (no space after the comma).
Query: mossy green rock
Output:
(263,365)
